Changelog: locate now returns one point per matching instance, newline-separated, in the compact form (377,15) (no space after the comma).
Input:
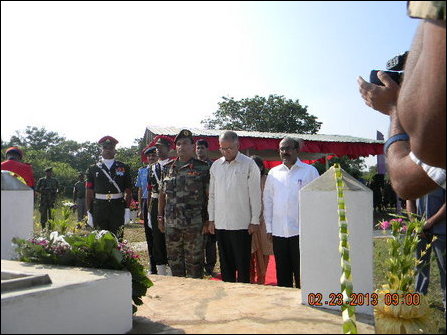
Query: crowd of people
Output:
(190,205)
(195,205)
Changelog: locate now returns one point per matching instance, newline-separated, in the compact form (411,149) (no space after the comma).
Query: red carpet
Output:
(270,277)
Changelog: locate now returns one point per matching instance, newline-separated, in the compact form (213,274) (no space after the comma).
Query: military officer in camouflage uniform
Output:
(108,187)
(47,187)
(182,208)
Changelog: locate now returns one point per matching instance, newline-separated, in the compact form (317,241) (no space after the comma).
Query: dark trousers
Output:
(287,258)
(234,254)
(45,213)
(159,239)
(210,253)
(109,215)
(81,208)
(149,237)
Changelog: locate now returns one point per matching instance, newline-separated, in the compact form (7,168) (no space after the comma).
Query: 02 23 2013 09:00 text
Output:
(364,299)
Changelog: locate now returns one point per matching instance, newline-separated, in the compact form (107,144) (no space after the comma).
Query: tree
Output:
(352,166)
(272,114)
(38,139)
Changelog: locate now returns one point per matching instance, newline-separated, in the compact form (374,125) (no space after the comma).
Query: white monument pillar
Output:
(319,241)
(17,212)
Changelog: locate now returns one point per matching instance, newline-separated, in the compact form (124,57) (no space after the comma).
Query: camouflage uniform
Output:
(186,187)
(47,187)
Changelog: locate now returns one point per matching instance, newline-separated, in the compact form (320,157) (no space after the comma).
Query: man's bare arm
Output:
(421,104)
(408,179)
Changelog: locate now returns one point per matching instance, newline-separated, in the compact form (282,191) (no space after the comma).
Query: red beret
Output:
(108,139)
(14,149)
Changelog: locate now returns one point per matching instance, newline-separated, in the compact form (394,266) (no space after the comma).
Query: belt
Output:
(154,196)
(108,196)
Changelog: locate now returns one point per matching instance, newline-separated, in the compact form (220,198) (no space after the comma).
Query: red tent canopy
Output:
(314,147)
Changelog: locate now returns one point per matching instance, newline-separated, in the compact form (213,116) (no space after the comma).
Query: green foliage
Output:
(272,114)
(97,249)
(130,156)
(61,221)
(352,166)
(38,139)
(368,175)
(402,263)
(44,148)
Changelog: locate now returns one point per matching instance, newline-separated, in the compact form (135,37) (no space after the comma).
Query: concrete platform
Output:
(76,301)
(193,306)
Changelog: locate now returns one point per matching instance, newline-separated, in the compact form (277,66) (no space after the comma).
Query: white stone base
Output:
(79,300)
(16,218)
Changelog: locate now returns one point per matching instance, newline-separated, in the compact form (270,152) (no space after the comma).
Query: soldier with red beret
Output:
(108,190)
(142,183)
(162,146)
(14,164)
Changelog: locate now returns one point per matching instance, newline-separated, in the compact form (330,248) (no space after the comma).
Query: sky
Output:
(89,69)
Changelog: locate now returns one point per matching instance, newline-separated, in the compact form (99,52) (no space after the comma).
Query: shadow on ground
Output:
(142,325)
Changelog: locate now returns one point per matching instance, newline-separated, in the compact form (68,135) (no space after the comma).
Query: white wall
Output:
(319,240)
(16,218)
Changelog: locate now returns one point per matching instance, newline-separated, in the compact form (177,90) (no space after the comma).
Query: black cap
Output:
(148,150)
(163,141)
(184,133)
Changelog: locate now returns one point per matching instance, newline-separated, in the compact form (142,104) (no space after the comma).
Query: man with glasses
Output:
(234,207)
(281,210)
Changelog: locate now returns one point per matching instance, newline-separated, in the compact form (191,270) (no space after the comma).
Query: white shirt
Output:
(436,174)
(108,162)
(281,197)
(235,193)
(164,162)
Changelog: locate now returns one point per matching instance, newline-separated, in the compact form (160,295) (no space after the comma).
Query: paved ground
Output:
(192,306)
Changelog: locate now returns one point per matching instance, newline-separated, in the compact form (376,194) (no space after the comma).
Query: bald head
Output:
(229,136)
(229,145)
